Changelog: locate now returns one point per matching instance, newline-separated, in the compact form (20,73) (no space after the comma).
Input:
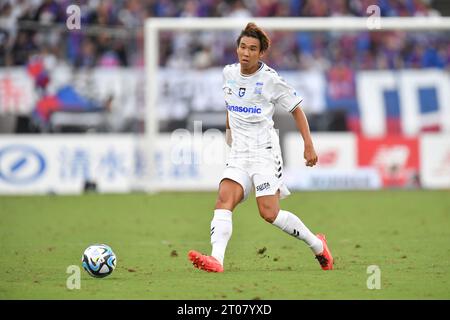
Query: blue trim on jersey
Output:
(249,75)
(296,106)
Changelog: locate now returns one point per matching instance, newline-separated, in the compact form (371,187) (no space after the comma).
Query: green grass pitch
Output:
(405,233)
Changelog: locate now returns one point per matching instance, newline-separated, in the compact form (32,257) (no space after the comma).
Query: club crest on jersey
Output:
(258,88)
(241,92)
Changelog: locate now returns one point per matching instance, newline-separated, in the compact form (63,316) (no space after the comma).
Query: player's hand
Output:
(310,156)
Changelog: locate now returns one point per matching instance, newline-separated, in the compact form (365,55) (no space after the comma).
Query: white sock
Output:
(291,224)
(221,229)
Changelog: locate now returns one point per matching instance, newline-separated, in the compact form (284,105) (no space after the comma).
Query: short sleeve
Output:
(283,95)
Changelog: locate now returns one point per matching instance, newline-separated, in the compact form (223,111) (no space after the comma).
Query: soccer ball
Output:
(99,260)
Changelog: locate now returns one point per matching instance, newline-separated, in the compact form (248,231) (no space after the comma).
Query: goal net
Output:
(360,78)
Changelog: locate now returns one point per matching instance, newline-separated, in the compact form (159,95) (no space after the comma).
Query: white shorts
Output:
(264,175)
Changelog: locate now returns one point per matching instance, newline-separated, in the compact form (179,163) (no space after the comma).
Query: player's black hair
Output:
(252,30)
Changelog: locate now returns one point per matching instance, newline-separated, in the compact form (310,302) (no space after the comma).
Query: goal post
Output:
(154,26)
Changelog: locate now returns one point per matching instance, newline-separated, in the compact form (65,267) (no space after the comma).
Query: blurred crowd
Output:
(112,34)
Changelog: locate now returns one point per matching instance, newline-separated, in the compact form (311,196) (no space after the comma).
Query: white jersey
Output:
(251,101)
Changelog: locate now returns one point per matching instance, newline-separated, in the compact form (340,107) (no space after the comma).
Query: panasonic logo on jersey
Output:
(254,109)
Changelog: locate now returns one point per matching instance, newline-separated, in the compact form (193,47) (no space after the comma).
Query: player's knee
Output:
(225,201)
(222,203)
(230,194)
(268,213)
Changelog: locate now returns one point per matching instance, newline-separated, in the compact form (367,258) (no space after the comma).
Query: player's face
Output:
(249,53)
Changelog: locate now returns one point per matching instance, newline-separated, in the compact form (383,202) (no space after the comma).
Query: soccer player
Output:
(252,91)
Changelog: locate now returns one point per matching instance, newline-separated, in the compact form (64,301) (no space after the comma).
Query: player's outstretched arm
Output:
(302,124)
